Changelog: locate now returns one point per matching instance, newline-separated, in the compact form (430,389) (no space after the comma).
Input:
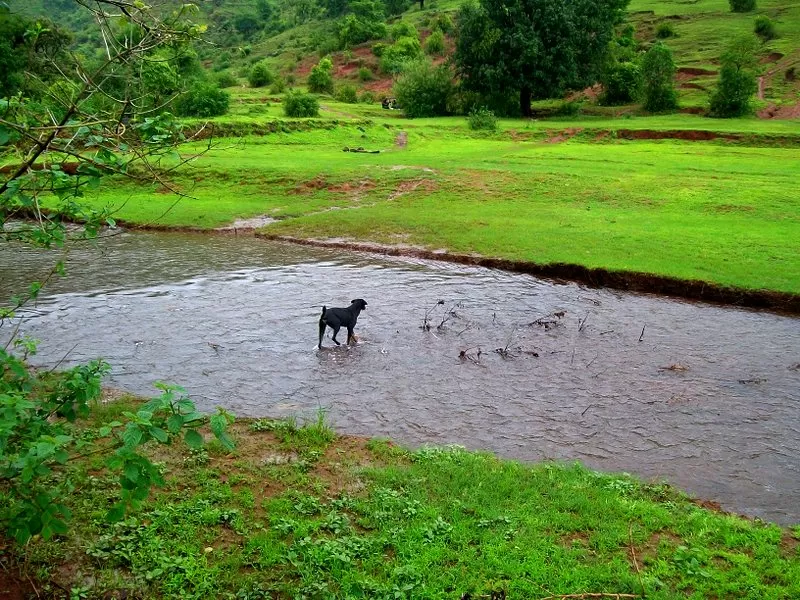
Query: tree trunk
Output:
(421,4)
(525,102)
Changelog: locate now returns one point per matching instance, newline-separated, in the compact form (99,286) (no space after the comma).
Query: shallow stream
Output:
(703,396)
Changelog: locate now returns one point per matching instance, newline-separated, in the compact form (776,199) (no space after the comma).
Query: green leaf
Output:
(159,434)
(132,472)
(174,423)
(132,436)
(193,439)
(116,513)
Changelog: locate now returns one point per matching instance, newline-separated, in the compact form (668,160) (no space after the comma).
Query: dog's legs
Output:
(350,336)
(335,332)
(321,333)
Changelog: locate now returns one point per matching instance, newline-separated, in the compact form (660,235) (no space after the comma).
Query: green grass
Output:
(298,512)
(717,212)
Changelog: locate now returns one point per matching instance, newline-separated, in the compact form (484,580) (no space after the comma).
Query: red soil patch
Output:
(680,134)
(401,141)
(692,86)
(771,58)
(563,136)
(694,71)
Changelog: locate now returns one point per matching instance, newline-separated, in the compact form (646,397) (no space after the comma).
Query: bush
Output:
(320,80)
(765,28)
(260,75)
(622,83)
(424,90)
(569,109)
(435,43)
(658,71)
(226,80)
(278,86)
(364,74)
(665,30)
(367,97)
(403,29)
(443,23)
(298,104)
(379,48)
(348,94)
(203,100)
(742,6)
(354,30)
(401,51)
(482,119)
(737,80)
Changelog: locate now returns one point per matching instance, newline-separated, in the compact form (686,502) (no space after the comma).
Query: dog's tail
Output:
(324,308)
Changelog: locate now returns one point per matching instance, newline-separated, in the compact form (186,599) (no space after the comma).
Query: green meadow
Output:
(299,512)
(573,191)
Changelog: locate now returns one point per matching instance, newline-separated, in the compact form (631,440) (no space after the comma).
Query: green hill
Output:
(292,35)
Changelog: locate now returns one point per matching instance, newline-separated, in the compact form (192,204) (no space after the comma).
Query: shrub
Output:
(569,109)
(665,30)
(320,80)
(403,29)
(367,97)
(278,86)
(482,119)
(443,23)
(298,104)
(226,79)
(742,6)
(401,51)
(622,83)
(354,30)
(737,80)
(348,94)
(364,74)
(764,28)
(435,43)
(658,70)
(260,75)
(379,48)
(424,90)
(203,100)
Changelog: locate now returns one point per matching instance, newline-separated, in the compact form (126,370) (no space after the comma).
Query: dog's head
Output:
(358,303)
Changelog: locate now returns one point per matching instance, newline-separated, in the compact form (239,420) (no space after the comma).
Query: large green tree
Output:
(534,48)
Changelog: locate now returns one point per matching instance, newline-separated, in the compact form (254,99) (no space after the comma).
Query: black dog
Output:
(335,318)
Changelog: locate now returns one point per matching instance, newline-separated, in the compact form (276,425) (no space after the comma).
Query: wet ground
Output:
(705,397)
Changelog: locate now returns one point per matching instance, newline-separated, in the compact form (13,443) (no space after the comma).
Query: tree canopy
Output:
(536,48)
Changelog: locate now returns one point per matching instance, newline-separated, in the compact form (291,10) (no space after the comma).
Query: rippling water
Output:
(708,399)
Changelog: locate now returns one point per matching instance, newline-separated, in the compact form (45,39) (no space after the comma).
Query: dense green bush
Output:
(203,100)
(403,29)
(348,94)
(401,51)
(226,80)
(278,86)
(367,97)
(353,31)
(622,83)
(320,80)
(742,6)
(665,30)
(658,71)
(443,23)
(364,74)
(424,90)
(379,48)
(260,75)
(737,79)
(434,44)
(298,104)
(764,28)
(482,119)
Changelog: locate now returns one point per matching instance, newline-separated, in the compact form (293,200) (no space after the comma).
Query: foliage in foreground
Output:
(423,89)
(297,512)
(299,104)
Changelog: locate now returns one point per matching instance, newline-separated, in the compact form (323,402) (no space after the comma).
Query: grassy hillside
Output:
(292,40)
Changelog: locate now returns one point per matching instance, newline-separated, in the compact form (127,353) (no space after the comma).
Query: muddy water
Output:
(708,398)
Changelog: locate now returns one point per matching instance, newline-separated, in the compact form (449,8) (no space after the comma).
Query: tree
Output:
(260,75)
(742,6)
(538,48)
(320,80)
(658,71)
(737,79)
(424,90)
(62,136)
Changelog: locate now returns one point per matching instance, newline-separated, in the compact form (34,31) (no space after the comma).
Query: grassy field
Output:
(720,212)
(297,512)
